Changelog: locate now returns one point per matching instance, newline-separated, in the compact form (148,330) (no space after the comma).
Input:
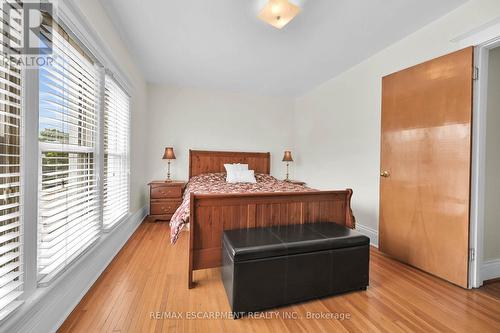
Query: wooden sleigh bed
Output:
(211,214)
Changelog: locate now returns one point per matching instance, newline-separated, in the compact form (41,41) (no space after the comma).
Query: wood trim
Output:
(211,214)
(204,161)
(349,216)
(191,242)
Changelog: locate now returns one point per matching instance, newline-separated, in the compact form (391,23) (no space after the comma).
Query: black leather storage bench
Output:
(268,267)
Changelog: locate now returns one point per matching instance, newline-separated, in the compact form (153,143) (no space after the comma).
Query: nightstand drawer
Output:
(165,198)
(162,192)
(164,207)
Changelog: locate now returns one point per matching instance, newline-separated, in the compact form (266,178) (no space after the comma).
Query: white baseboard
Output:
(490,269)
(370,232)
(48,307)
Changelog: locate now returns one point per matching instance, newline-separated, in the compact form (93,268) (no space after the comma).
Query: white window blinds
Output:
(69,204)
(116,153)
(11,272)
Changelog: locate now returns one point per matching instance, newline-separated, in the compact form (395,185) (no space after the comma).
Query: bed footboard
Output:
(211,214)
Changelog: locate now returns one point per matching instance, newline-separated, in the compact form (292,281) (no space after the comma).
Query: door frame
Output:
(478,176)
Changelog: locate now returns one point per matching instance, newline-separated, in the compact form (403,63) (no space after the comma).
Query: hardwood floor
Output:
(492,288)
(146,283)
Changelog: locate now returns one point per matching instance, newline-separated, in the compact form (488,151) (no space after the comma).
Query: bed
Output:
(210,206)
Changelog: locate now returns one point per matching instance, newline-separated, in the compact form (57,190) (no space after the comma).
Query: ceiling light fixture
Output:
(278,13)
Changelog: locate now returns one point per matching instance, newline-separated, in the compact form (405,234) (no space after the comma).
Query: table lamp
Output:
(169,155)
(287,158)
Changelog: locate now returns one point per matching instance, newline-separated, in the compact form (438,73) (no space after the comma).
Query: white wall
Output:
(492,208)
(338,123)
(103,27)
(187,118)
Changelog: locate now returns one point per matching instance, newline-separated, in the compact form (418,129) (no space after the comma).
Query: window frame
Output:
(68,16)
(48,146)
(21,200)
(102,150)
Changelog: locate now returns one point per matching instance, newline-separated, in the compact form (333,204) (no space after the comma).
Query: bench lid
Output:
(259,243)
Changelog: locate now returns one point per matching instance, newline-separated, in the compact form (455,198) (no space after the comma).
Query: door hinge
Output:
(472,254)
(475,74)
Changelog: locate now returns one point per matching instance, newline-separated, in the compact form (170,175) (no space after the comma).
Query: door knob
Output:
(385,174)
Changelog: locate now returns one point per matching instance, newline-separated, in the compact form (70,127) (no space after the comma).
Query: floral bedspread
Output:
(216,183)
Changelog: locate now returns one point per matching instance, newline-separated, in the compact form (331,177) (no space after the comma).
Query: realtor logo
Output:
(26,32)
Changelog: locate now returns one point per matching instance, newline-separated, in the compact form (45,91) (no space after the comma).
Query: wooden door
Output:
(426,165)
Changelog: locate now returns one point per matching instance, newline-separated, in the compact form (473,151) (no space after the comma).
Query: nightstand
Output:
(296,182)
(164,198)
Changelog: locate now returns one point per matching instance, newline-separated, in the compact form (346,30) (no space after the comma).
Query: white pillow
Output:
(241,176)
(235,167)
(231,170)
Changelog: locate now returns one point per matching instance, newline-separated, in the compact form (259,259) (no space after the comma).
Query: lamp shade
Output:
(288,156)
(169,154)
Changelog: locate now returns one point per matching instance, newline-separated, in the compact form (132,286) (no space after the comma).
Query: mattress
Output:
(213,183)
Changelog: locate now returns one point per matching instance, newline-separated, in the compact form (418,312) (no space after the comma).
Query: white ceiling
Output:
(221,44)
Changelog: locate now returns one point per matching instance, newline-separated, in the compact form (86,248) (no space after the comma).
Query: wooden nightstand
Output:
(296,182)
(164,199)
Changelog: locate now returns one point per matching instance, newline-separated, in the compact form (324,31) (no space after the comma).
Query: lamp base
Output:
(287,178)
(168,180)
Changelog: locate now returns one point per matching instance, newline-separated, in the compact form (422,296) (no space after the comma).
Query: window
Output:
(11,273)
(69,204)
(116,153)
(81,166)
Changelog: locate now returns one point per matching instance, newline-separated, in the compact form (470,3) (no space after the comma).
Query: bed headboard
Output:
(201,161)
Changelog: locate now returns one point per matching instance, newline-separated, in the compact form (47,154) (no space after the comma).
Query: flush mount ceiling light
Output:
(278,13)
